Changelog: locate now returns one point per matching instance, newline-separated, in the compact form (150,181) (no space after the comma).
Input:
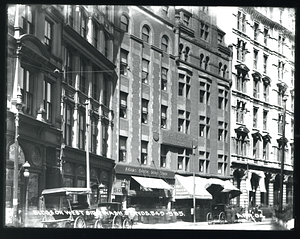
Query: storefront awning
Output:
(184,188)
(215,186)
(155,183)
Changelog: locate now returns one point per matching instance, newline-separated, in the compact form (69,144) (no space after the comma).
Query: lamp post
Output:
(19,107)
(26,174)
(282,87)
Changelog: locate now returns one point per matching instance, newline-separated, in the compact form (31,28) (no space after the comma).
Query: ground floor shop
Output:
(261,186)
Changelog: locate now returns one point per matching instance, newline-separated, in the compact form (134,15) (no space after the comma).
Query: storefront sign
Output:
(144,171)
(177,139)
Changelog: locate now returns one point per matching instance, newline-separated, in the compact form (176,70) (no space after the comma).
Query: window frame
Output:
(124,24)
(48,34)
(146,34)
(48,99)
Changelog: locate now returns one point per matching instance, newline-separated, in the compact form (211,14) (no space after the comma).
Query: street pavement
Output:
(266,224)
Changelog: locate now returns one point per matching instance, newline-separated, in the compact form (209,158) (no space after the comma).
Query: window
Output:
(240,144)
(222,131)
(265,150)
(266,36)
(164,43)
(104,139)
(164,110)
(69,66)
(144,152)
(96,35)
(83,24)
(183,121)
(183,159)
(241,21)
(124,62)
(164,78)
(241,50)
(256,88)
(240,111)
(204,126)
(83,73)
(204,31)
(48,34)
(105,96)
(255,56)
(70,15)
(145,34)
(184,85)
(266,86)
(82,126)
(123,105)
(122,149)
(256,31)
(265,64)
(95,84)
(68,124)
(163,156)
(206,62)
(241,81)
(165,9)
(47,97)
(255,109)
(281,41)
(124,23)
(145,111)
(220,38)
(204,90)
(106,45)
(27,91)
(26,21)
(201,60)
(204,162)
(265,119)
(94,133)
(280,123)
(145,71)
(221,99)
(255,147)
(186,20)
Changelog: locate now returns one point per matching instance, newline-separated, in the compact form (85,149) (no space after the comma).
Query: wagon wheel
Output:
(209,218)
(222,217)
(98,224)
(79,223)
(117,222)
(127,224)
(68,225)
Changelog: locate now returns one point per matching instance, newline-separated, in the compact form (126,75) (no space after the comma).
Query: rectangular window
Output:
(256,89)
(122,149)
(145,71)
(68,124)
(265,119)
(255,58)
(105,96)
(47,97)
(163,156)
(186,20)
(241,21)
(48,34)
(69,66)
(123,105)
(266,36)
(83,24)
(280,123)
(27,91)
(256,31)
(164,78)
(220,38)
(204,31)
(164,116)
(265,150)
(220,168)
(266,91)
(83,72)
(124,62)
(95,83)
(145,111)
(180,88)
(82,128)
(255,110)
(265,63)
(26,21)
(94,133)
(144,152)
(255,148)
(96,35)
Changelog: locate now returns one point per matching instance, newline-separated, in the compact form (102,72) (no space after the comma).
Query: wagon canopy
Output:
(215,186)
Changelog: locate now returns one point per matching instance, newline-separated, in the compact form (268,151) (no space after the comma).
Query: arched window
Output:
(224,70)
(187,50)
(206,62)
(146,34)
(201,59)
(164,43)
(124,23)
(220,67)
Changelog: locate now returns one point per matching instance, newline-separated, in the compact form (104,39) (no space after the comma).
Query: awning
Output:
(215,186)
(184,188)
(155,183)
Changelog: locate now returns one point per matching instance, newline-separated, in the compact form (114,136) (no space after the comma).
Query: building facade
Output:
(263,41)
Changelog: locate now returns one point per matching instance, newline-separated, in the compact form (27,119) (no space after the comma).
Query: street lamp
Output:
(19,106)
(26,174)
(282,87)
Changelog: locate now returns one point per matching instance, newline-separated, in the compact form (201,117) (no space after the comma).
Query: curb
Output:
(287,225)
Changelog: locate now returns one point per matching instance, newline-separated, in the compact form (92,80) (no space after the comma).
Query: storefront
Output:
(144,188)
